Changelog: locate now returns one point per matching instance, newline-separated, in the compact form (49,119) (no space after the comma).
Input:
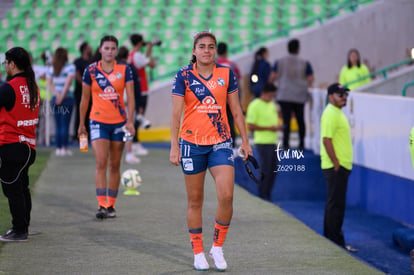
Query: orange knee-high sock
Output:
(220,232)
(101,196)
(112,195)
(196,236)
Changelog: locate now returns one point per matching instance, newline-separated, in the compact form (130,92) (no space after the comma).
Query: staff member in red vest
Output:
(19,114)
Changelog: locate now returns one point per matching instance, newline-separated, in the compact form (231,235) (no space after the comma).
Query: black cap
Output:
(337,88)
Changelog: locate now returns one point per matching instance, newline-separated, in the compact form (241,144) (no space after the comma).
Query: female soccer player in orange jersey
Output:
(106,81)
(201,89)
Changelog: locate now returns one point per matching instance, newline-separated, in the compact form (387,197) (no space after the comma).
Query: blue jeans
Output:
(62,114)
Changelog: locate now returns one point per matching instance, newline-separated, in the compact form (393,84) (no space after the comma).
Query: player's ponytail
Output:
(22,60)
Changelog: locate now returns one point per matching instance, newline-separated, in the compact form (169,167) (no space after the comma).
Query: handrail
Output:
(404,90)
(350,4)
(382,71)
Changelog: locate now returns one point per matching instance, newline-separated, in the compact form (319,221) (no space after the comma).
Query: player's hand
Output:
(175,156)
(245,150)
(82,130)
(130,127)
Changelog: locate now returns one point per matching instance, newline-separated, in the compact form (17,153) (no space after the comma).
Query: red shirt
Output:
(19,123)
(142,74)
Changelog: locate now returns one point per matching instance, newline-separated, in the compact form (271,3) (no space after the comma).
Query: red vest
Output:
(141,73)
(19,124)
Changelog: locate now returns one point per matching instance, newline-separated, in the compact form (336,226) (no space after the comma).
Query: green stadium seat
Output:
(67,4)
(8,25)
(133,3)
(115,4)
(45,3)
(89,4)
(43,12)
(22,3)
(178,3)
(19,13)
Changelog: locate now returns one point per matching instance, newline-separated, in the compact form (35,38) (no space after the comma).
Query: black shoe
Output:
(13,236)
(111,213)
(101,213)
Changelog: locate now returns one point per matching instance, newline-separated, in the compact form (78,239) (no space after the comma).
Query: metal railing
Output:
(404,90)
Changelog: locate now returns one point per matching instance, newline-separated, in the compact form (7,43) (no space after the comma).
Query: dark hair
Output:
(198,37)
(136,38)
(293,46)
(358,60)
(269,88)
(258,56)
(21,59)
(122,53)
(221,48)
(110,38)
(59,60)
(83,46)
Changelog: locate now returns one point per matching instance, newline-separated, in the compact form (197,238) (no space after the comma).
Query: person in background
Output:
(40,71)
(262,118)
(222,54)
(122,56)
(336,162)
(202,90)
(353,71)
(106,81)
(81,63)
(19,101)
(260,71)
(60,82)
(140,61)
(294,76)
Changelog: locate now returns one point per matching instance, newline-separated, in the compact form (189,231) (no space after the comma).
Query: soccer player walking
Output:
(202,89)
(106,81)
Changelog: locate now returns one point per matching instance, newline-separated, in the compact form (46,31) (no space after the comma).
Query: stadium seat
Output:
(67,4)
(45,3)
(19,13)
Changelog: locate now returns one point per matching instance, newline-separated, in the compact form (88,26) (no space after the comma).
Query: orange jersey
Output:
(107,91)
(205,119)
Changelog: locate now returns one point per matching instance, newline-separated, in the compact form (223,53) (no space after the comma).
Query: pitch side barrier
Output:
(382,178)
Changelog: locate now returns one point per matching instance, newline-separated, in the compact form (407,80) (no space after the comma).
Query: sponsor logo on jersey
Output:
(99,76)
(195,82)
(211,84)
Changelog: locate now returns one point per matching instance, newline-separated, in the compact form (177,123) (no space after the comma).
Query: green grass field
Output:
(42,156)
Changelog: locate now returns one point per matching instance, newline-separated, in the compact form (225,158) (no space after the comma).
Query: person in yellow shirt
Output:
(336,162)
(353,71)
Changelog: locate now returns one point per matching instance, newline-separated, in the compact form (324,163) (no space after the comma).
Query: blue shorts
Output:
(197,158)
(107,131)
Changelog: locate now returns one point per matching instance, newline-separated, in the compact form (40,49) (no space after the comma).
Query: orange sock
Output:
(111,202)
(112,195)
(220,232)
(196,236)
(101,196)
(101,200)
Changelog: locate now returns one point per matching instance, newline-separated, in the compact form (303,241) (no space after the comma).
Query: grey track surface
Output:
(149,236)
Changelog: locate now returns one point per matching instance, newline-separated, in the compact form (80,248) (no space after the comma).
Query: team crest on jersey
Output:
(220,81)
(211,84)
(119,75)
(208,100)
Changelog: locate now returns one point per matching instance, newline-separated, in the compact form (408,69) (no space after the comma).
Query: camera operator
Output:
(140,61)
